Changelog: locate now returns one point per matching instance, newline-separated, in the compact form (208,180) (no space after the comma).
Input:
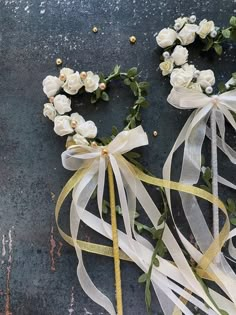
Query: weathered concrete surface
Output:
(37,269)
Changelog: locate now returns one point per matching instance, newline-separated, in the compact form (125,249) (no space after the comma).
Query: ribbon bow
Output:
(90,163)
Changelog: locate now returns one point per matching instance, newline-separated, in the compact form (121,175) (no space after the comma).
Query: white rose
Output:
(167,66)
(180,55)
(77,120)
(73,83)
(179,23)
(87,129)
(51,85)
(62,125)
(62,104)
(187,34)
(195,86)
(91,82)
(180,78)
(206,78)
(205,28)
(78,139)
(66,72)
(166,37)
(49,111)
(188,67)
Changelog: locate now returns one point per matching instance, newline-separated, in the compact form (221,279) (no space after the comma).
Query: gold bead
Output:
(132,39)
(94,144)
(155,133)
(83,75)
(62,77)
(58,61)
(51,99)
(104,151)
(73,124)
(95,29)
(102,86)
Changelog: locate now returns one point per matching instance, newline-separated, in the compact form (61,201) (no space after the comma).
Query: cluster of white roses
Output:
(59,104)
(185,75)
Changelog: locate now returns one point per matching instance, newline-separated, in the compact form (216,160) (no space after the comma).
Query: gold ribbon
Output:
(208,256)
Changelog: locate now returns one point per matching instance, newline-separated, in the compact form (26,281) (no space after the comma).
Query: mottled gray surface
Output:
(32,35)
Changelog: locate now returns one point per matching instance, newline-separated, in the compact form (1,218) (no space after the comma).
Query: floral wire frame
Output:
(78,130)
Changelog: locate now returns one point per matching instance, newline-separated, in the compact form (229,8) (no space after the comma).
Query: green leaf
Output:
(142,278)
(133,155)
(161,248)
(207,174)
(156,262)
(116,69)
(231,205)
(105,96)
(143,85)
(127,81)
(208,43)
(118,210)
(232,21)
(148,299)
(157,234)
(134,88)
(233,221)
(226,33)
(233,34)
(132,72)
(221,87)
(218,49)
(206,188)
(234,75)
(98,93)
(140,100)
(223,312)
(105,206)
(93,99)
(114,131)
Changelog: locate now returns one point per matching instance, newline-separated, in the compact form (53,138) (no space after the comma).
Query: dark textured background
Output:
(37,269)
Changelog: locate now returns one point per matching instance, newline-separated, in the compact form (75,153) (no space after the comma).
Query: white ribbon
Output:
(167,279)
(192,136)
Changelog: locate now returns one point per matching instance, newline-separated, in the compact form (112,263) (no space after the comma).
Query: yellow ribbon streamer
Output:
(208,256)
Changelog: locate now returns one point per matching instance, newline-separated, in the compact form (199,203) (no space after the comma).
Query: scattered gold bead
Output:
(102,86)
(132,39)
(62,77)
(58,61)
(83,75)
(95,29)
(73,124)
(51,99)
(155,133)
(104,151)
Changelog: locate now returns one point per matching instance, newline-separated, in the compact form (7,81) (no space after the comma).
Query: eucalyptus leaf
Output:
(142,278)
(232,21)
(218,49)
(132,72)
(226,33)
(105,96)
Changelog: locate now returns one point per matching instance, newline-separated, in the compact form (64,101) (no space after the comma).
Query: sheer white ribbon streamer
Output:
(193,135)
(167,279)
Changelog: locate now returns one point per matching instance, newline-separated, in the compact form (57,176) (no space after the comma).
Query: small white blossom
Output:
(77,120)
(51,85)
(180,55)
(180,78)
(73,84)
(179,23)
(62,125)
(49,111)
(190,68)
(166,37)
(205,28)
(62,104)
(87,129)
(206,78)
(66,72)
(167,66)
(187,34)
(91,82)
